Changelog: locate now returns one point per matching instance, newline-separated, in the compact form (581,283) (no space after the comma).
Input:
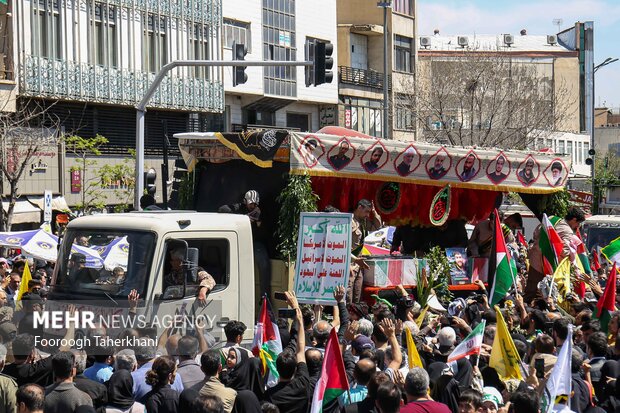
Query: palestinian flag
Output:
(612,251)
(333,380)
(267,344)
(470,345)
(606,304)
(551,246)
(582,256)
(505,267)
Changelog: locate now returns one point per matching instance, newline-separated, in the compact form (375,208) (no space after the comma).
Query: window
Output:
(213,257)
(199,48)
(47,30)
(238,32)
(363,115)
(561,149)
(569,150)
(279,40)
(402,54)
(404,119)
(403,6)
(299,121)
(103,32)
(156,52)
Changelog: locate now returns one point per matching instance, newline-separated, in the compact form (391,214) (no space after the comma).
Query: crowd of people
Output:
(185,372)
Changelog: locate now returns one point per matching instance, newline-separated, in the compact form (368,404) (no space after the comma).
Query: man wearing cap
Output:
(250,207)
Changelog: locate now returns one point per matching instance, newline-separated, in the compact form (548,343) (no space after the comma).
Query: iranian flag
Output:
(267,344)
(333,380)
(551,246)
(606,304)
(505,267)
(470,345)
(612,251)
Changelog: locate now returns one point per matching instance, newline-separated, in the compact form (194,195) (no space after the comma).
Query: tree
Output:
(91,189)
(606,174)
(488,99)
(24,133)
(120,178)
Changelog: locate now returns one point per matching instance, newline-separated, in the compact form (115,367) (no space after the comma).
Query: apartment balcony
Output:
(67,80)
(362,77)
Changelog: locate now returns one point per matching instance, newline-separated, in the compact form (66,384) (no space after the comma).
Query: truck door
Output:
(218,252)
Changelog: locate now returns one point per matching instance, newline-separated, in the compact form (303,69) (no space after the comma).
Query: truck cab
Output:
(142,245)
(600,230)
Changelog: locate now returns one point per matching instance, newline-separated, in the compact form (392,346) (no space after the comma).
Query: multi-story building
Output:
(521,82)
(278,96)
(361,66)
(89,62)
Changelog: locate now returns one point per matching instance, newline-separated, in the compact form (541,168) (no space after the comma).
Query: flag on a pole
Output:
(551,246)
(612,251)
(413,357)
(559,382)
(596,265)
(606,304)
(23,286)
(267,344)
(561,277)
(504,357)
(505,267)
(421,317)
(470,345)
(333,380)
(521,239)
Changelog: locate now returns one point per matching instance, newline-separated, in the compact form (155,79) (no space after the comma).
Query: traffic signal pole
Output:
(141,107)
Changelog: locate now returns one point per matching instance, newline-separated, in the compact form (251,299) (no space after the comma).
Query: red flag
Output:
(521,239)
(333,380)
(596,265)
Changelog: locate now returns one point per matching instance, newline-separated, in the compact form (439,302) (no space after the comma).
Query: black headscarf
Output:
(464,374)
(245,375)
(446,390)
(245,402)
(120,390)
(186,400)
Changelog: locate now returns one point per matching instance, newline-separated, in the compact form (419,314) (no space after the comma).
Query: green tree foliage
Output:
(435,278)
(296,198)
(91,190)
(121,179)
(556,203)
(606,173)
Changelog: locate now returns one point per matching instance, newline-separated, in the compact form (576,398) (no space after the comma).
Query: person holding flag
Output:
(267,343)
(560,378)
(551,244)
(504,356)
(505,266)
(607,303)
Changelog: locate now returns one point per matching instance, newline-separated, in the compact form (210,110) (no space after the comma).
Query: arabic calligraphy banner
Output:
(423,163)
(323,256)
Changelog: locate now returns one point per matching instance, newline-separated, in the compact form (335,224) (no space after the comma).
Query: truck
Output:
(143,245)
(600,230)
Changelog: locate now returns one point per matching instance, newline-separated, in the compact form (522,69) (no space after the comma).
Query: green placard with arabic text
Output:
(323,256)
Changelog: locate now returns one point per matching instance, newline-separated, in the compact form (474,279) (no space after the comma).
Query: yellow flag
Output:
(561,277)
(504,357)
(421,317)
(412,351)
(23,287)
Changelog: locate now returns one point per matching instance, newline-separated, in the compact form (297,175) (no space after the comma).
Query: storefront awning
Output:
(23,212)
(58,203)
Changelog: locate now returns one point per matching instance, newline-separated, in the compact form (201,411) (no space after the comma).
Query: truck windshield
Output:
(601,236)
(103,263)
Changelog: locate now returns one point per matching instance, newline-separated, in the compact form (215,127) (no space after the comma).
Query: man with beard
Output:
(404,168)
(526,175)
(468,169)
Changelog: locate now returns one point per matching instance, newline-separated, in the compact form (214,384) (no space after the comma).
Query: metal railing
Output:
(237,127)
(362,77)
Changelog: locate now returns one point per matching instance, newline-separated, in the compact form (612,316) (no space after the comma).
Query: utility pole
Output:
(386,104)
(141,106)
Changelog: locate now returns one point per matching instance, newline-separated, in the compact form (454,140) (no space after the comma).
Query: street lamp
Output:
(592,152)
(386,5)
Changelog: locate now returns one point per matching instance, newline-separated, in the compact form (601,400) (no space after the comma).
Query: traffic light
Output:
(239,76)
(150,186)
(323,63)
(309,70)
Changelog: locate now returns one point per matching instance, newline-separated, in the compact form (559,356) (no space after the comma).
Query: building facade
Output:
(361,66)
(520,83)
(278,96)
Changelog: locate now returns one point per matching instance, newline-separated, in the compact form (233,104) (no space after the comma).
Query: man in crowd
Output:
(366,219)
(63,396)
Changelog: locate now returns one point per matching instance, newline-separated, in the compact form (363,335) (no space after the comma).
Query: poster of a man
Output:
(556,173)
(309,152)
(498,175)
(438,170)
(406,165)
(458,268)
(526,175)
(373,163)
(340,159)
(469,168)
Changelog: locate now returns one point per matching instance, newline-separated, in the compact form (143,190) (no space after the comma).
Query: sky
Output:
(454,17)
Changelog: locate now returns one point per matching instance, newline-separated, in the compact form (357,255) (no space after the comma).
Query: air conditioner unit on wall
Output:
(425,41)
(509,39)
(463,41)
(552,39)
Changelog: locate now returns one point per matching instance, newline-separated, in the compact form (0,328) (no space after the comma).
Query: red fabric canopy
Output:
(415,200)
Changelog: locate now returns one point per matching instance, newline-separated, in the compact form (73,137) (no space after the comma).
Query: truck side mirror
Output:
(191,262)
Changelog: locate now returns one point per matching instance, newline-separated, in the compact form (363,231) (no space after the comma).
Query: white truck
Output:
(141,243)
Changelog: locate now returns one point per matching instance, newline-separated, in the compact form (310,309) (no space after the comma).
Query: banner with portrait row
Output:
(423,163)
